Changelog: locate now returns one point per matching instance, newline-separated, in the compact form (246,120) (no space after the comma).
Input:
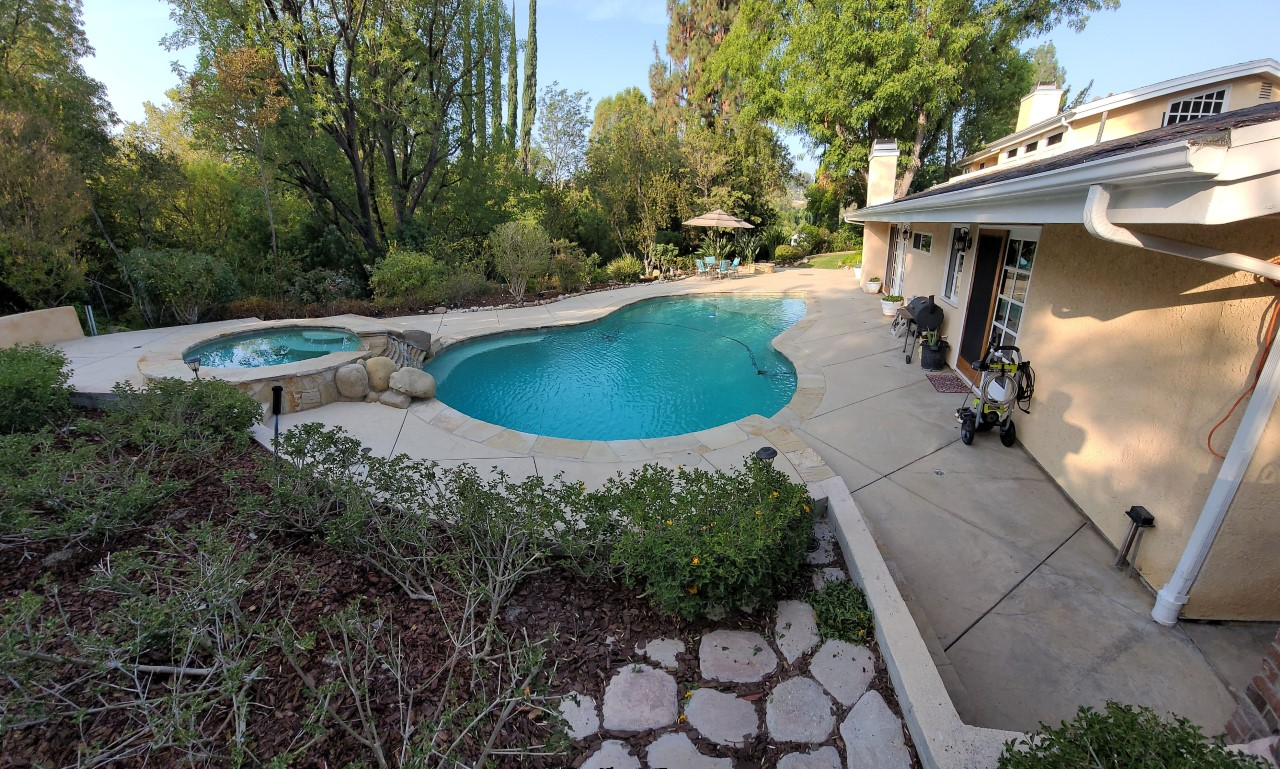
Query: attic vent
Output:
(1264,93)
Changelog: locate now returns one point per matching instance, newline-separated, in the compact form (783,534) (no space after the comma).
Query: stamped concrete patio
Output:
(1010,586)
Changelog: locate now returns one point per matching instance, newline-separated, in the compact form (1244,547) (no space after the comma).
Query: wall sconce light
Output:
(194,365)
(963,240)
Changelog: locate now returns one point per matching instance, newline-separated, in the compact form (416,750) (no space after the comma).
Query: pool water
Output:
(656,368)
(254,349)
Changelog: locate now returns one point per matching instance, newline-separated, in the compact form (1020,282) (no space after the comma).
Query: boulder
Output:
(380,370)
(352,381)
(419,339)
(414,383)
(440,310)
(395,399)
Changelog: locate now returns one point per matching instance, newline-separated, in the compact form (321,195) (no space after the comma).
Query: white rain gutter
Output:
(1173,596)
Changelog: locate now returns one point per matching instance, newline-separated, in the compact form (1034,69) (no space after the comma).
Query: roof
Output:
(1115,101)
(1176,153)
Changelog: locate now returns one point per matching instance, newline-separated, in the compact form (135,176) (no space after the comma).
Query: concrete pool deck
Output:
(1016,601)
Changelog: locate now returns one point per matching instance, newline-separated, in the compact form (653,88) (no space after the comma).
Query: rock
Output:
(395,399)
(613,754)
(722,718)
(823,758)
(372,397)
(440,310)
(799,711)
(579,712)
(662,651)
(736,655)
(414,383)
(420,339)
(380,370)
(796,631)
(844,669)
(873,735)
(352,380)
(826,552)
(829,574)
(676,751)
(639,697)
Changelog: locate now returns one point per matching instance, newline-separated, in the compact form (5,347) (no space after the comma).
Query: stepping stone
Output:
(613,754)
(722,718)
(829,574)
(823,758)
(826,552)
(844,669)
(873,735)
(676,751)
(799,711)
(638,698)
(797,629)
(579,712)
(736,655)
(662,651)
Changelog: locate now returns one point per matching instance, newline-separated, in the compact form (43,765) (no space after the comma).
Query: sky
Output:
(604,46)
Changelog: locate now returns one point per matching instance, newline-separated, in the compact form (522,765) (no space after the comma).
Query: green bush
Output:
(33,388)
(843,613)
(787,254)
(321,285)
(847,239)
(814,239)
(625,269)
(413,277)
(465,283)
(521,251)
(1121,737)
(187,283)
(176,415)
(570,266)
(702,543)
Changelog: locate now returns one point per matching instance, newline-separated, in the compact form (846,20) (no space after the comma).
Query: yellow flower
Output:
(773,494)
(669,523)
(696,561)
(582,486)
(713,523)
(806,508)
(683,718)
(693,590)
(759,513)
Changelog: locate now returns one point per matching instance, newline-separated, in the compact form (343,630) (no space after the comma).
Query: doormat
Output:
(948,383)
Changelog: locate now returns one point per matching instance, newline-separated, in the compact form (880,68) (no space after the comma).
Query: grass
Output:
(830,261)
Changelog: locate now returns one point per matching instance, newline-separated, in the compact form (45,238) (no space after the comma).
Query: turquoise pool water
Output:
(254,349)
(652,369)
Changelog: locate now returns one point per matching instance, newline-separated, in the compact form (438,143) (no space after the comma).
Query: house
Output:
(1134,262)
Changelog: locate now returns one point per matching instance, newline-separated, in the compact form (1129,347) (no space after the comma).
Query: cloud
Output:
(645,11)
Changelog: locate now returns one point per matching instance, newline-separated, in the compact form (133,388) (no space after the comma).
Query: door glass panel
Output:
(1019,293)
(1011,256)
(1015,317)
(1002,311)
(1028,255)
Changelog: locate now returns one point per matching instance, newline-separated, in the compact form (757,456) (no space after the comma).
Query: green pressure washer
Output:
(1007,380)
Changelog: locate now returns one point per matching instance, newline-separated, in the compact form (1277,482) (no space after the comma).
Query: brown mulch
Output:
(590,627)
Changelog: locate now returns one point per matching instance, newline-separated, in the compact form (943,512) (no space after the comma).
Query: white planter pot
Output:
(857,273)
(873,287)
(889,308)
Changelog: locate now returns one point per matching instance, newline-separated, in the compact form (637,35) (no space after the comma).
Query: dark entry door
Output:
(982,296)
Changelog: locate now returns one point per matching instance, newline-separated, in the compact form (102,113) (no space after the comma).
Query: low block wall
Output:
(40,327)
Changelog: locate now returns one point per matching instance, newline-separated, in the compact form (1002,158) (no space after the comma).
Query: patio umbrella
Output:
(718,218)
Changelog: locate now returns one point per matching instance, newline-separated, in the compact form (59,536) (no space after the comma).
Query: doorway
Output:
(982,301)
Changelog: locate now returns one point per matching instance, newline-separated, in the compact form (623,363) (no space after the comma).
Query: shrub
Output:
(187,283)
(773,237)
(814,239)
(847,239)
(570,266)
(408,277)
(464,283)
(701,543)
(625,269)
(843,613)
(175,415)
(321,285)
(787,254)
(749,246)
(1120,737)
(520,251)
(665,256)
(33,388)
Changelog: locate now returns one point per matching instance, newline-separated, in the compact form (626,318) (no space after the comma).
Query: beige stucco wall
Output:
(1137,355)
(875,250)
(40,327)
(925,272)
(1146,115)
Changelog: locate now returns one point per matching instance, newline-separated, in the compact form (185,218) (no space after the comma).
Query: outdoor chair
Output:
(733,268)
(701,266)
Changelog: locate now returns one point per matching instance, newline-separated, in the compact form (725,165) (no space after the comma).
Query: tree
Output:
(480,103)
(520,251)
(562,133)
(530,96)
(513,76)
(850,73)
(497,24)
(696,29)
(1044,58)
(186,283)
(43,206)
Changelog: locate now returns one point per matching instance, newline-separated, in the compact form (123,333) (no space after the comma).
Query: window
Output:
(955,265)
(1055,139)
(1198,106)
(1013,153)
(922,242)
(982,165)
(1015,280)
(1032,147)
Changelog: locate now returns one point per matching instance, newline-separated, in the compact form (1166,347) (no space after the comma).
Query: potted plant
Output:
(933,351)
(857,267)
(873,285)
(890,303)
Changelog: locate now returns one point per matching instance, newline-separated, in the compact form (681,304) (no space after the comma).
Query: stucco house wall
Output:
(925,272)
(1137,355)
(1147,115)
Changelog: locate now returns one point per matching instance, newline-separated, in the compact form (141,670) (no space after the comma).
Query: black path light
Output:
(193,364)
(766,454)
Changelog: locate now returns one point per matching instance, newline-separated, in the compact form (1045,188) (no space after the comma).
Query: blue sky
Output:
(604,46)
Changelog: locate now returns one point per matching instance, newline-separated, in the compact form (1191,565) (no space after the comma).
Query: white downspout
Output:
(1173,596)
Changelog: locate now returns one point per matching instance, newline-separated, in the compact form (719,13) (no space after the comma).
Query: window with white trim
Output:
(1015,281)
(922,241)
(1198,106)
(955,265)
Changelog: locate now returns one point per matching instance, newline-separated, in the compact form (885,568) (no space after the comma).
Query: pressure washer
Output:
(1007,381)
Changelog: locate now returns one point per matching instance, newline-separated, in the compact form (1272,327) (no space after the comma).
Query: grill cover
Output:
(926,313)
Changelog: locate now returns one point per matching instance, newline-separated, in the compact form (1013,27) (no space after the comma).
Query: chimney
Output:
(1041,104)
(882,172)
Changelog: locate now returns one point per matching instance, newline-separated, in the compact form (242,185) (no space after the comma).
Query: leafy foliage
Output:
(33,388)
(186,283)
(703,543)
(570,266)
(625,269)
(408,276)
(520,251)
(785,254)
(1121,737)
(173,415)
(843,613)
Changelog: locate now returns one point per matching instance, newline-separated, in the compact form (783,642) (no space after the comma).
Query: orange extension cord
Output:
(1266,352)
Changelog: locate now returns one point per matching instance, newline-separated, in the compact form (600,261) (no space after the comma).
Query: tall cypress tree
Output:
(696,30)
(513,77)
(467,94)
(480,107)
(495,70)
(530,93)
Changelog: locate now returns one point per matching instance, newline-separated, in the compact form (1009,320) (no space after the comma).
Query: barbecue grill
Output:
(924,316)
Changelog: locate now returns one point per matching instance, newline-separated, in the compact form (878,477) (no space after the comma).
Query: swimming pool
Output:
(652,369)
(255,349)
